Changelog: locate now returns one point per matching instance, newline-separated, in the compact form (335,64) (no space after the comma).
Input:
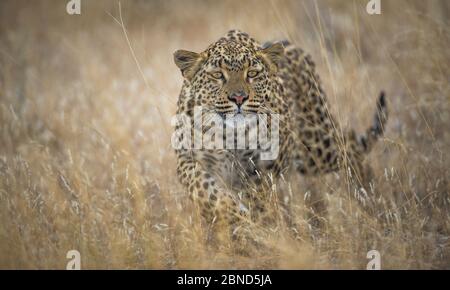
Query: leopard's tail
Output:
(367,140)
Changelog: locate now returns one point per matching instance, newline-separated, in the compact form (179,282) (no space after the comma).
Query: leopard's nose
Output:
(239,98)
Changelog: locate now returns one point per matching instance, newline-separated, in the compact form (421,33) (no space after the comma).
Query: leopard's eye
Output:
(217,75)
(252,73)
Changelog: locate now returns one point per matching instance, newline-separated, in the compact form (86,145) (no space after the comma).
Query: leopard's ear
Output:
(272,56)
(188,62)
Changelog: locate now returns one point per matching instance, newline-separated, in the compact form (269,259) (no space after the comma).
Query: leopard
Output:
(237,77)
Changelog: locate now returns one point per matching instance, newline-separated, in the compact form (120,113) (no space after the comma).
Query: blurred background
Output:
(85,155)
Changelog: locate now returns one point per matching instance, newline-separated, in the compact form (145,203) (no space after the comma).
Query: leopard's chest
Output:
(245,168)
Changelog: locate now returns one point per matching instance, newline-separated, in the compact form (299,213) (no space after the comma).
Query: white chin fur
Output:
(238,120)
(234,121)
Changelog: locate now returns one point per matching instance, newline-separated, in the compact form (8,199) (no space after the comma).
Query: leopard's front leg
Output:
(217,205)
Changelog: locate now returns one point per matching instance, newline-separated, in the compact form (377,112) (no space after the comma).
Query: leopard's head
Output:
(233,76)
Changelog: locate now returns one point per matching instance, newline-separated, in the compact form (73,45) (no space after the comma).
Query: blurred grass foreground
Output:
(85,155)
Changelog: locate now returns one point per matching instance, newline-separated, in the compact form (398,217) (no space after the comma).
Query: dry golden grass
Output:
(85,155)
